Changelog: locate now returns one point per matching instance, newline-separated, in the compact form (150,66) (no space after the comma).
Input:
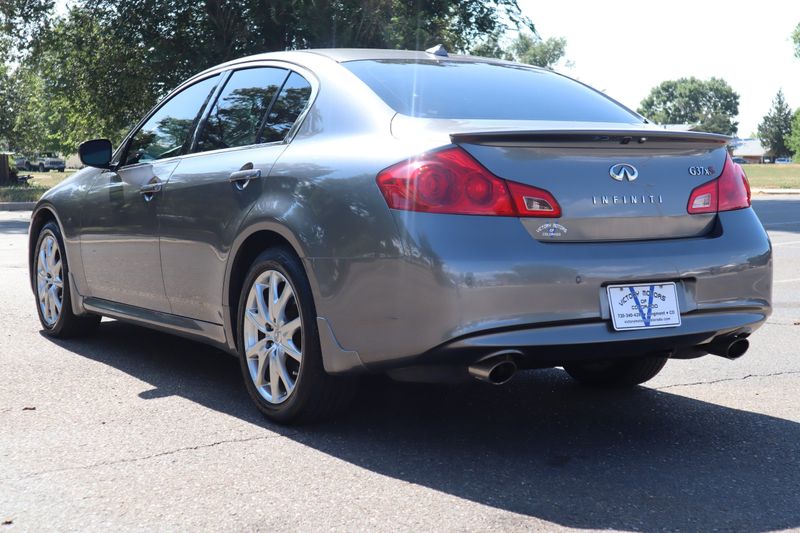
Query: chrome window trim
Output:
(123,147)
(225,73)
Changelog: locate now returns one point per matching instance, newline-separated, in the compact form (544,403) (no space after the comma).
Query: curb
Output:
(17,206)
(776,191)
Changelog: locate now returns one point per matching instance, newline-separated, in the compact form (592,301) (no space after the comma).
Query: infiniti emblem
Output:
(623,171)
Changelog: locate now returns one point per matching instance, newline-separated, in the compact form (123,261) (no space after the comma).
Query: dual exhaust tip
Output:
(496,369)
(729,347)
(499,368)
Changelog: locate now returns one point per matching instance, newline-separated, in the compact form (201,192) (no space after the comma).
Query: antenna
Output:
(438,50)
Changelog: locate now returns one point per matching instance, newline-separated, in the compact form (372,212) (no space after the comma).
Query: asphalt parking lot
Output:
(138,430)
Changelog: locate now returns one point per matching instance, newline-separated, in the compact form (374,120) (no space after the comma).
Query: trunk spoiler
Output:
(590,136)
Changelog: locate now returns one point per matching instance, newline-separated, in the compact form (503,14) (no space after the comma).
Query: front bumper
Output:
(469,286)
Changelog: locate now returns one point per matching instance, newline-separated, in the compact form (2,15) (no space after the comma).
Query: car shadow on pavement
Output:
(639,460)
(14,227)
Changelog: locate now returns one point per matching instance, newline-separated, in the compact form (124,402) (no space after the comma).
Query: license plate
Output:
(654,305)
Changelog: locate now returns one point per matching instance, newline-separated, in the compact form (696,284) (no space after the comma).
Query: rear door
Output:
(208,196)
(119,240)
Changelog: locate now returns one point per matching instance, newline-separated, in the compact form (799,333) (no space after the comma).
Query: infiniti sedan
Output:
(322,214)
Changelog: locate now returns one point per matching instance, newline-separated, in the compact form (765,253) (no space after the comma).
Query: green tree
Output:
(794,137)
(711,105)
(106,62)
(533,50)
(796,40)
(776,127)
(177,37)
(525,48)
(34,121)
(21,22)
(6,107)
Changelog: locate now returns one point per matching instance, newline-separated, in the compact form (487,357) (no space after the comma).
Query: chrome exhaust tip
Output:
(730,347)
(496,369)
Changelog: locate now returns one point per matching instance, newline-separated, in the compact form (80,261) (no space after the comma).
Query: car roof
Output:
(343,55)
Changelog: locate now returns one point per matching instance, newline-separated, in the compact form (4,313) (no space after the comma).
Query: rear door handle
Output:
(241,178)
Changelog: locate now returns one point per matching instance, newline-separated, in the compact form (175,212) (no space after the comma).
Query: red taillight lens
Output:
(728,192)
(734,189)
(451,181)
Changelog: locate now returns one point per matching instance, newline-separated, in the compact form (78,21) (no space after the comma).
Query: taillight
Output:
(451,181)
(728,192)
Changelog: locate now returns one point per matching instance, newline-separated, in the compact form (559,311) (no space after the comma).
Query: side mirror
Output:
(96,153)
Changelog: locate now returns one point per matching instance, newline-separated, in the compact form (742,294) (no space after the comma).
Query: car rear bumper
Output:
(558,344)
(470,286)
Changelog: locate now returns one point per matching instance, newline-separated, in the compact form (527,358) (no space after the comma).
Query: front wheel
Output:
(279,346)
(620,373)
(51,279)
(41,167)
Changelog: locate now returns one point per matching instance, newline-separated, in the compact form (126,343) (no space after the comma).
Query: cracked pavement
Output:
(137,430)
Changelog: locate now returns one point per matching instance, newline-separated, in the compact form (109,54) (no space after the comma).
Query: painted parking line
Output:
(784,243)
(792,280)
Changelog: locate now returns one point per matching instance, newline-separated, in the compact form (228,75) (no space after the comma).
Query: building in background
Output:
(750,150)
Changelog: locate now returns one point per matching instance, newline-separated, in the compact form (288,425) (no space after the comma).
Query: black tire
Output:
(616,374)
(68,323)
(61,170)
(317,395)
(41,168)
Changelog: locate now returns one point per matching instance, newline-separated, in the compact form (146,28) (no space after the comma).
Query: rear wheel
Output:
(51,279)
(620,373)
(279,347)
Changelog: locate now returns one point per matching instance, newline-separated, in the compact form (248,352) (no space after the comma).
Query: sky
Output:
(625,48)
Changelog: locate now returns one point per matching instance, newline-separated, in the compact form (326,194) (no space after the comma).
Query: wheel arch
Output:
(247,247)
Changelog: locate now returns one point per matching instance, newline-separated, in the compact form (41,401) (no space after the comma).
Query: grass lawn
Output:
(40,182)
(773,176)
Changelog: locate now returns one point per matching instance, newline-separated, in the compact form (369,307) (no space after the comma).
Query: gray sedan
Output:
(328,213)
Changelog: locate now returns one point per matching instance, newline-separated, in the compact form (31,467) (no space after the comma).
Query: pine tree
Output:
(776,127)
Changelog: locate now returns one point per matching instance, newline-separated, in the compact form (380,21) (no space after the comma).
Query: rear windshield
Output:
(482,90)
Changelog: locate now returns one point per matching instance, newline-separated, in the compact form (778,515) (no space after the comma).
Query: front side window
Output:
(166,133)
(237,114)
(291,101)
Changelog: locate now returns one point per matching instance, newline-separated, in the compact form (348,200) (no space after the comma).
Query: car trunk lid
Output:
(613,182)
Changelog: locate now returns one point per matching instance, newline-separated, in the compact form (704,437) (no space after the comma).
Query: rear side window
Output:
(291,101)
(167,132)
(237,114)
(483,90)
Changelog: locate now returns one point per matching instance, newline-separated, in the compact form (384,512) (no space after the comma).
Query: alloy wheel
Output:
(49,279)
(273,336)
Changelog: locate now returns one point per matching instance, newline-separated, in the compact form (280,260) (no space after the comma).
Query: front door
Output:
(120,234)
(119,241)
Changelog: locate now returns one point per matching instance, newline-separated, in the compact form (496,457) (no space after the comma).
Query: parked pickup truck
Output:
(44,162)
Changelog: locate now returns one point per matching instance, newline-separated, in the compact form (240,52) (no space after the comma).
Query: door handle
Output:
(241,178)
(147,191)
